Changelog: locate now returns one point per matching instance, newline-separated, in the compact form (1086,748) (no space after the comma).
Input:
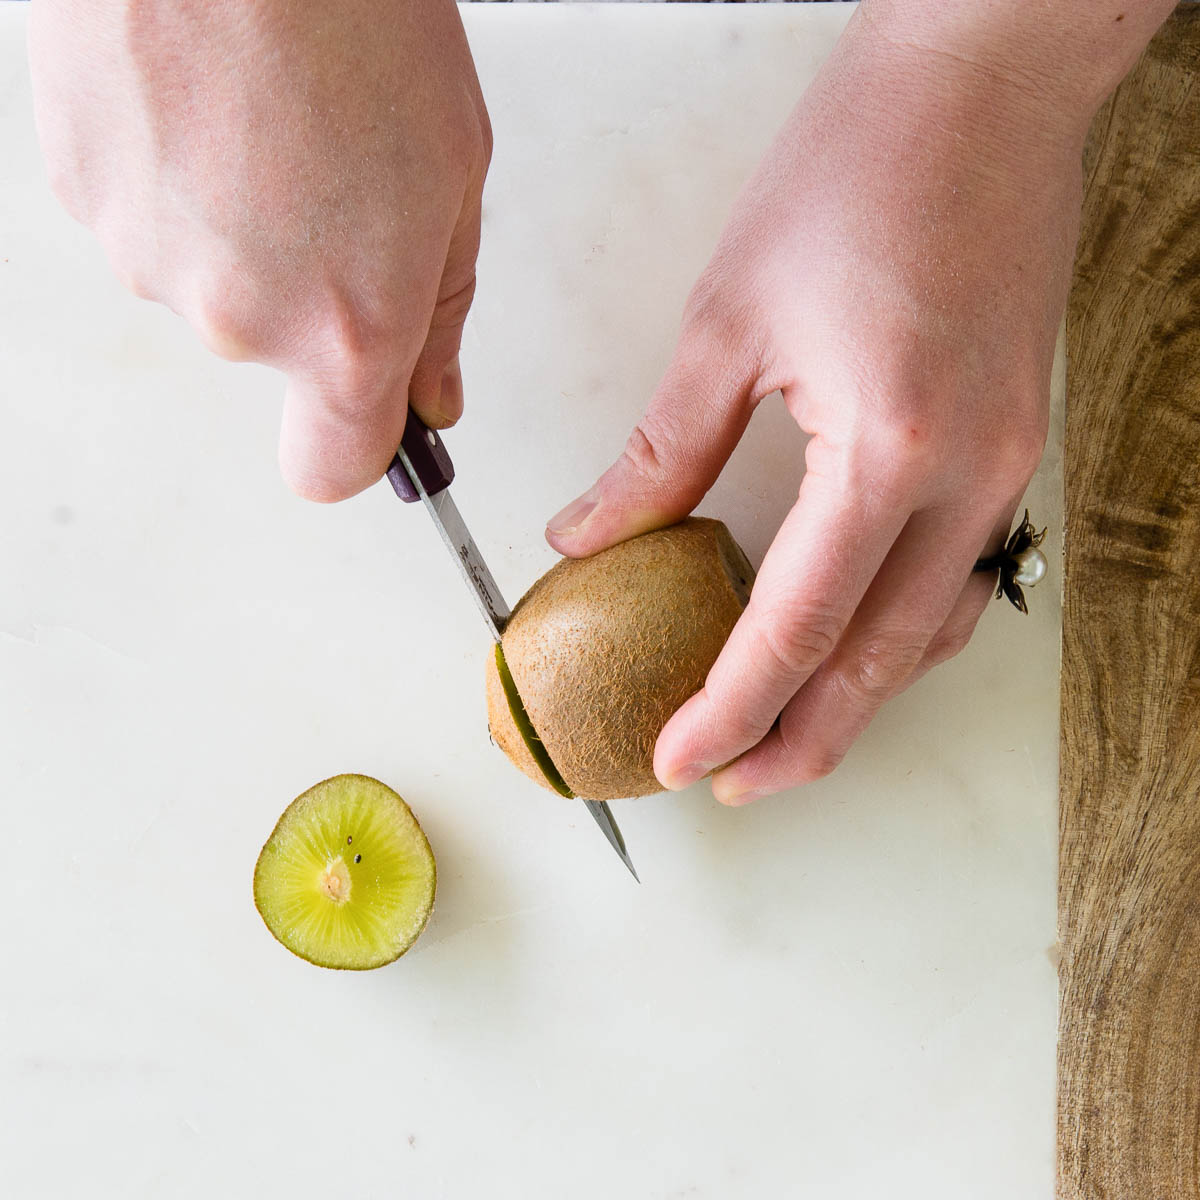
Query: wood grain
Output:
(1129,869)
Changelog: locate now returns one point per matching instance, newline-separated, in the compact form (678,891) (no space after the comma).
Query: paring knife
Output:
(422,470)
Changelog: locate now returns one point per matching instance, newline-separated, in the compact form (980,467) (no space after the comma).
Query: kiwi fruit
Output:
(601,651)
(347,877)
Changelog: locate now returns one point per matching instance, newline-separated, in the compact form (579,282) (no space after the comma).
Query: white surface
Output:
(839,992)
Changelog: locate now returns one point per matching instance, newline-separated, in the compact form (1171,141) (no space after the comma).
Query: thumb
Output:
(673,456)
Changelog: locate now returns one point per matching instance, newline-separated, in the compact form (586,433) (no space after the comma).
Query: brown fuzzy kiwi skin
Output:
(604,649)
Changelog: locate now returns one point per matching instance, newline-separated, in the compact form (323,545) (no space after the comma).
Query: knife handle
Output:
(429,459)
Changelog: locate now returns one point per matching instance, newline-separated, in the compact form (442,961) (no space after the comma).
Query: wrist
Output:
(1060,58)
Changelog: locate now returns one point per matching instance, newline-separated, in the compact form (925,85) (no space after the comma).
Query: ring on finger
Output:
(1020,563)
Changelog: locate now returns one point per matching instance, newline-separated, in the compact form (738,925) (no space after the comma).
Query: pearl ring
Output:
(1019,563)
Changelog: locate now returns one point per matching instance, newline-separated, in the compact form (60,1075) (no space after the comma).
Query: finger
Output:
(957,629)
(337,437)
(821,563)
(435,390)
(959,626)
(674,454)
(917,593)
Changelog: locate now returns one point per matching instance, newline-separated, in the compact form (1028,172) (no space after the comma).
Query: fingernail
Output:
(741,798)
(574,514)
(690,774)
(450,402)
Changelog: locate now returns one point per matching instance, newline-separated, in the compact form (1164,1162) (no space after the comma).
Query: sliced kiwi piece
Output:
(347,877)
(520,718)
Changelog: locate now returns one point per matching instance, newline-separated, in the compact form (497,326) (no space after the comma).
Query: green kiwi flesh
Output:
(533,743)
(347,878)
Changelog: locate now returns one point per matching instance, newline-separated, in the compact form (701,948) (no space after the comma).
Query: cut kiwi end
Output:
(347,878)
(525,728)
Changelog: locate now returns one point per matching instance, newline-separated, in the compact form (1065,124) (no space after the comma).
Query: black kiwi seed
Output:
(358,858)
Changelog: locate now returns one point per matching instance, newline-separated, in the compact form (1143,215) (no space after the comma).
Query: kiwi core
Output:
(335,881)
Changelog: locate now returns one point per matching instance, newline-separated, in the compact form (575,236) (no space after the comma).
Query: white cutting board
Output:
(844,991)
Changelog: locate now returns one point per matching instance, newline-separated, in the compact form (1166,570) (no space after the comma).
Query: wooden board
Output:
(1129,870)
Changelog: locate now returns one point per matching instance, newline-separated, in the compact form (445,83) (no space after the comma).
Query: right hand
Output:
(897,267)
(301,182)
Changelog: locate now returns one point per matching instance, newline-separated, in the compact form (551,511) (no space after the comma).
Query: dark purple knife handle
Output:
(428,456)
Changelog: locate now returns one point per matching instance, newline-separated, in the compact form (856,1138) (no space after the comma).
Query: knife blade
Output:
(422,470)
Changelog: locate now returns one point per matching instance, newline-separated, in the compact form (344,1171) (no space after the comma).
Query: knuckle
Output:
(645,451)
(130,277)
(346,359)
(1008,462)
(470,140)
(486,136)
(220,329)
(878,668)
(818,762)
(1021,452)
(902,452)
(224,307)
(344,332)
(741,730)
(949,643)
(799,643)
(807,761)
(138,284)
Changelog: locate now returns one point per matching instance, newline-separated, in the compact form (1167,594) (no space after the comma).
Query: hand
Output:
(898,267)
(302,182)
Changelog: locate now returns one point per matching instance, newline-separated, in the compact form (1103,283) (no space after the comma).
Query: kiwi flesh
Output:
(531,745)
(602,650)
(347,878)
